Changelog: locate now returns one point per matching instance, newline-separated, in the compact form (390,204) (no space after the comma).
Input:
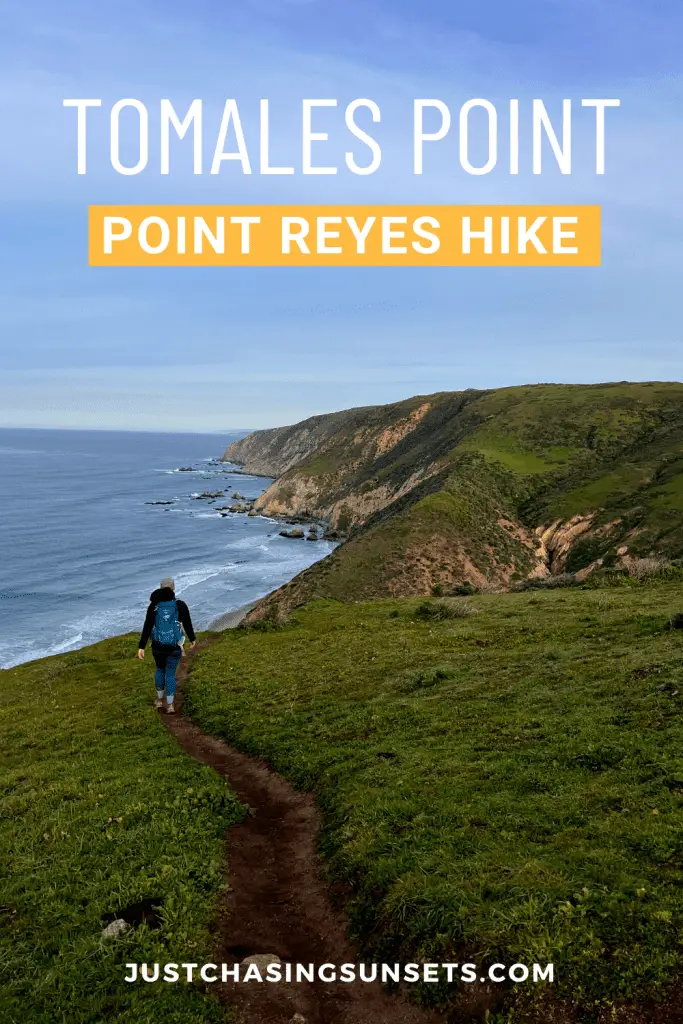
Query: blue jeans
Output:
(166,660)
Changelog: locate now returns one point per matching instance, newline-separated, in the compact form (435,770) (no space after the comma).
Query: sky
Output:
(225,348)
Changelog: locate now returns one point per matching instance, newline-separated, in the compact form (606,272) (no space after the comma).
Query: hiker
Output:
(166,621)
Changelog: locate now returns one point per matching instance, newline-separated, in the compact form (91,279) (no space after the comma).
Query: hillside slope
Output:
(499,777)
(484,487)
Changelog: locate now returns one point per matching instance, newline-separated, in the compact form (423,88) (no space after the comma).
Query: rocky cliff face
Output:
(340,484)
(485,487)
(273,452)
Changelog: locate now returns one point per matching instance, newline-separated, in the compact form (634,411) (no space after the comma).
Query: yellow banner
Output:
(344,236)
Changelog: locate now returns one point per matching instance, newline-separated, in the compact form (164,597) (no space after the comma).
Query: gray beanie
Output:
(168,582)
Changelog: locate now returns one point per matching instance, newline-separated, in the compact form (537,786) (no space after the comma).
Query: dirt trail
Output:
(278,902)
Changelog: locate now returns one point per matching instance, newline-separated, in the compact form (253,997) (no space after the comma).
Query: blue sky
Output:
(218,349)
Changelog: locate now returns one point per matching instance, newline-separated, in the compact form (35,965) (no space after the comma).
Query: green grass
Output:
(506,450)
(99,809)
(523,463)
(670,496)
(603,491)
(502,787)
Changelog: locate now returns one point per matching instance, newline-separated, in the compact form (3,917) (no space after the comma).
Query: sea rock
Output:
(261,960)
(158,503)
(186,469)
(237,496)
(252,512)
(296,533)
(209,494)
(115,928)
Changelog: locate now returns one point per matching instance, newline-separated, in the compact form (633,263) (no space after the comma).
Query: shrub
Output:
(565,579)
(584,552)
(425,679)
(273,618)
(643,568)
(464,589)
(439,610)
(641,571)
(601,579)
(344,519)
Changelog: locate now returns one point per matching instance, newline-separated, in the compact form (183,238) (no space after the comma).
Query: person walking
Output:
(167,622)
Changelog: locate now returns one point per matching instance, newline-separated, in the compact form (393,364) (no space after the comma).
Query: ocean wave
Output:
(31,653)
(243,544)
(193,577)
(66,644)
(22,451)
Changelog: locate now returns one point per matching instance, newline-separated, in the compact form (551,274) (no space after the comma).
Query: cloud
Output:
(284,335)
(220,397)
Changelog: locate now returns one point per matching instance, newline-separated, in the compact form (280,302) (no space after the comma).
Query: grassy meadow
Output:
(501,777)
(99,809)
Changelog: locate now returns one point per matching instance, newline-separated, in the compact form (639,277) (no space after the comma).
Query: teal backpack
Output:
(167,629)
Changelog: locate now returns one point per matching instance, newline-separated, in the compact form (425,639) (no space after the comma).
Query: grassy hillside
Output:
(457,487)
(99,809)
(501,781)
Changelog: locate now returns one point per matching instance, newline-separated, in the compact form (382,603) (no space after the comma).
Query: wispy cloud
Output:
(55,312)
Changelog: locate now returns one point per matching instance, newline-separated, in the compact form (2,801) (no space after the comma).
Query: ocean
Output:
(82,547)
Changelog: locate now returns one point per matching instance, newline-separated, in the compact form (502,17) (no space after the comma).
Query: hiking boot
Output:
(170,710)
(158,703)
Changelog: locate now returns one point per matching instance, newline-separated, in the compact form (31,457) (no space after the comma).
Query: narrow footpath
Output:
(278,902)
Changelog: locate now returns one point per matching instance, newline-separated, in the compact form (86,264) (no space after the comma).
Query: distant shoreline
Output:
(229,620)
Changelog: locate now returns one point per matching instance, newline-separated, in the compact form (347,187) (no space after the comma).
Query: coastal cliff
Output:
(273,452)
(479,487)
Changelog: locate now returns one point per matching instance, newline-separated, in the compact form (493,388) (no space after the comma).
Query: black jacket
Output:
(155,598)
